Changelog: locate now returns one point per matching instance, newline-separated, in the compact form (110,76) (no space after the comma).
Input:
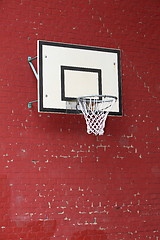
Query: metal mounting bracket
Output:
(32,66)
(30,103)
(36,75)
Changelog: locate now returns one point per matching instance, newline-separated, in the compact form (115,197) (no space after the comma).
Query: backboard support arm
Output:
(32,66)
(36,75)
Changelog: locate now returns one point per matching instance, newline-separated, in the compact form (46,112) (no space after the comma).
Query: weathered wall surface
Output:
(56,181)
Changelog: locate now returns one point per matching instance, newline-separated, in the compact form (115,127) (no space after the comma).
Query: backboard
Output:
(68,71)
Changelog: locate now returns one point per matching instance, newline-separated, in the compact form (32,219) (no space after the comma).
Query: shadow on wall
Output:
(32,230)
(89,235)
(20,229)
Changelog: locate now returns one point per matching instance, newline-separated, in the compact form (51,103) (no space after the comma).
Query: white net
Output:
(95,110)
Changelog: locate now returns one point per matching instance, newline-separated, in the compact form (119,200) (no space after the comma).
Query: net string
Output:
(95,112)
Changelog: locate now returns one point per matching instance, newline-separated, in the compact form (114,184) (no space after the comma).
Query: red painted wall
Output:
(56,181)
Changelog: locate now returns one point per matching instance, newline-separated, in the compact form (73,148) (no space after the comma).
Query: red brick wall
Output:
(56,181)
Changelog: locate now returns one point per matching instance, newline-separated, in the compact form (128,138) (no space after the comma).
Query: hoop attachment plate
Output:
(95,109)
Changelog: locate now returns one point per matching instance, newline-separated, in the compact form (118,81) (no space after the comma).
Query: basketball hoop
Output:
(95,109)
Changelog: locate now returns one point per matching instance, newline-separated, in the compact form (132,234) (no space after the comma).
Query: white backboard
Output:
(68,71)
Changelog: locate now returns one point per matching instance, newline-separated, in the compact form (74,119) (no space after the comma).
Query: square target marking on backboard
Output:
(70,75)
(68,71)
